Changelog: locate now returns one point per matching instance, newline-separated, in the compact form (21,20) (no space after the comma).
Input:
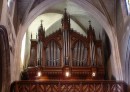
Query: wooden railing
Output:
(68,86)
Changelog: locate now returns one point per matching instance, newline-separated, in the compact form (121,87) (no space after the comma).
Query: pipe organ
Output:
(65,47)
(53,54)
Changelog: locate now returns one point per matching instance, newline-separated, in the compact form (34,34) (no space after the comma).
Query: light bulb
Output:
(93,74)
(67,74)
(39,73)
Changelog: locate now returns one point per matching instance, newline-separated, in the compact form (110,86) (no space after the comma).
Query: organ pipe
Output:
(39,60)
(66,45)
(81,56)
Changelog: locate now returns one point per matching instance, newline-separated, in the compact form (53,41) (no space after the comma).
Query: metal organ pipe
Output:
(74,56)
(39,59)
(81,56)
(66,46)
(90,53)
(51,54)
(54,54)
(57,55)
(37,54)
(67,33)
(94,53)
(63,46)
(40,53)
(78,52)
(49,51)
(47,59)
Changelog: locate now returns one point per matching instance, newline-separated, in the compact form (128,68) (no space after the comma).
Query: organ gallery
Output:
(66,61)
(64,45)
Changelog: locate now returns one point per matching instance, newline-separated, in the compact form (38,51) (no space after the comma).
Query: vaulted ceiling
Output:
(78,15)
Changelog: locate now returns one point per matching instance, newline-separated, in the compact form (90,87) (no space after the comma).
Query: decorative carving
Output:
(68,86)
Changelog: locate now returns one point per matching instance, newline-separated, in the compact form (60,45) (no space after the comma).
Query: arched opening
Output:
(117,70)
(4,60)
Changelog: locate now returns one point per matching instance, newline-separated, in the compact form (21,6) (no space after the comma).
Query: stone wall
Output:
(123,34)
(9,67)
(1,1)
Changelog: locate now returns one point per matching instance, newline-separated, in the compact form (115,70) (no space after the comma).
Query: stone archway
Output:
(4,60)
(125,53)
(90,9)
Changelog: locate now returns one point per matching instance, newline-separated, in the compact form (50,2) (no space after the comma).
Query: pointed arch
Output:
(91,10)
(125,52)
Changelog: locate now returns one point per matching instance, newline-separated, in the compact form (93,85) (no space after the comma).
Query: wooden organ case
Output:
(65,49)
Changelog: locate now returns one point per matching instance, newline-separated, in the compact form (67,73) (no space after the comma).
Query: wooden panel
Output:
(68,86)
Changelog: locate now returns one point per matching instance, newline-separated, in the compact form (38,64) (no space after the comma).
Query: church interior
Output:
(64,45)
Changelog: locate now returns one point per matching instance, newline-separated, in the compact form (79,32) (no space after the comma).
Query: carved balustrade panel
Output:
(68,86)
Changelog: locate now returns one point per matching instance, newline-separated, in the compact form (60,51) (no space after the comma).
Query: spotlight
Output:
(39,73)
(93,74)
(66,71)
